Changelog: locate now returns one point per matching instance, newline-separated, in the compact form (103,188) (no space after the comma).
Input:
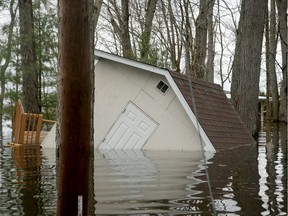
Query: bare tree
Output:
(28,57)
(222,27)
(209,75)
(272,60)
(189,40)
(95,10)
(247,60)
(201,39)
(120,22)
(146,35)
(282,30)
(220,43)
(267,56)
(171,38)
(94,13)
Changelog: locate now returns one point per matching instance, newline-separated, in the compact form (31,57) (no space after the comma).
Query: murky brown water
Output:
(245,181)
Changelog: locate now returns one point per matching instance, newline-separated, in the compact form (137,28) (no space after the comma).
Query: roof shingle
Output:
(215,113)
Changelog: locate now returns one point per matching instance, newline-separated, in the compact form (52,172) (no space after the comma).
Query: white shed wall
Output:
(117,84)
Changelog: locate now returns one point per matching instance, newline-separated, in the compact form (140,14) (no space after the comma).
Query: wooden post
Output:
(75,110)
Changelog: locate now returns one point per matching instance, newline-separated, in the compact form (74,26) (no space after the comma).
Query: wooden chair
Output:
(27,126)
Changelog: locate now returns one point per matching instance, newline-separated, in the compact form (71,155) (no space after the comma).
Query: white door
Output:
(130,131)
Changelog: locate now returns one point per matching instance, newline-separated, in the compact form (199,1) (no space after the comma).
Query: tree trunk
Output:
(282,29)
(39,58)
(268,88)
(188,39)
(145,37)
(211,45)
(171,31)
(94,13)
(125,33)
(7,58)
(272,60)
(120,23)
(221,45)
(29,67)
(96,5)
(75,110)
(201,40)
(247,61)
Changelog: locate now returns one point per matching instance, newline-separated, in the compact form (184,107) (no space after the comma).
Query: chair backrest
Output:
(17,121)
(27,127)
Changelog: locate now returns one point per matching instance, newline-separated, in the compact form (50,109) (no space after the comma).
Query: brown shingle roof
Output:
(215,113)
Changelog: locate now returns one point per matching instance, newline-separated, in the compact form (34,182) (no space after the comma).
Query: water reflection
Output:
(272,164)
(234,181)
(262,166)
(244,181)
(28,170)
(130,182)
(27,182)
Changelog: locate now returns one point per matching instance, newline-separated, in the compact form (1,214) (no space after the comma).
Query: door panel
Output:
(130,131)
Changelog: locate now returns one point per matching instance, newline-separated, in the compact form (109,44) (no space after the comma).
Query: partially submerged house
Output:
(139,106)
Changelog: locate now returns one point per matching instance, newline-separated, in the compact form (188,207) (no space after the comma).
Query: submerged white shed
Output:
(139,106)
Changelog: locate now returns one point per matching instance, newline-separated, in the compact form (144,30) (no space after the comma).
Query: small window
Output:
(162,87)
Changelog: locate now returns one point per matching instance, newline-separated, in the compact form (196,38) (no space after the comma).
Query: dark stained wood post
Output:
(75,108)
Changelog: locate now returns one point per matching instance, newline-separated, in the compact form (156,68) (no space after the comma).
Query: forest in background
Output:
(213,40)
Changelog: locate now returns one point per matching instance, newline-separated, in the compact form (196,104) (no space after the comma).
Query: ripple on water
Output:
(130,182)
(150,182)
(27,182)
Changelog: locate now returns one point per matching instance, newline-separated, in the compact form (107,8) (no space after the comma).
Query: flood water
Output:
(244,181)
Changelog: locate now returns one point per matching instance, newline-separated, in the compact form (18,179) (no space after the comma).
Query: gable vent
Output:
(163,87)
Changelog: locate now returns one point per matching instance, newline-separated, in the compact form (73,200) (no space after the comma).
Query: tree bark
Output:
(268,88)
(125,33)
(171,35)
(120,23)
(221,45)
(209,76)
(75,110)
(188,40)
(282,29)
(201,40)
(145,37)
(94,12)
(247,60)
(96,9)
(29,67)
(272,60)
